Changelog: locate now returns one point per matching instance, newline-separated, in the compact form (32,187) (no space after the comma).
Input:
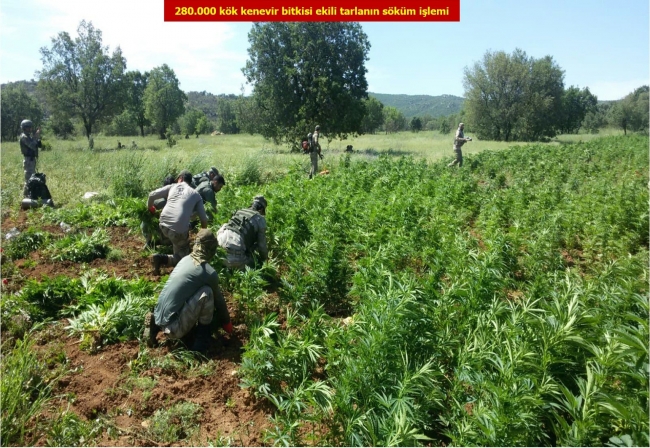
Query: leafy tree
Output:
(81,79)
(416,124)
(444,126)
(16,106)
(596,119)
(136,85)
(163,98)
(227,120)
(249,115)
(306,74)
(576,104)
(189,121)
(374,117)
(61,125)
(123,124)
(394,120)
(203,126)
(513,97)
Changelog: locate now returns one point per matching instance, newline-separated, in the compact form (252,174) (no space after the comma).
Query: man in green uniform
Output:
(314,152)
(29,148)
(245,234)
(459,141)
(190,298)
(206,175)
(208,189)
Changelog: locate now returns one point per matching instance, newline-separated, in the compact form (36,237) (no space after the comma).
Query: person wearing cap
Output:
(244,235)
(29,145)
(182,202)
(206,175)
(314,152)
(191,299)
(459,141)
(208,189)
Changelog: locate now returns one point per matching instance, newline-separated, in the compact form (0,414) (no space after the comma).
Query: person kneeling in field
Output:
(182,202)
(244,234)
(190,298)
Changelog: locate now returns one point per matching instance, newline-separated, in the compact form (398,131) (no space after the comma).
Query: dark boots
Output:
(202,338)
(150,330)
(159,260)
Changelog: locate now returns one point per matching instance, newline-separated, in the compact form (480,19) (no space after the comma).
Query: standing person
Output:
(314,152)
(190,298)
(459,141)
(208,190)
(29,148)
(182,202)
(244,234)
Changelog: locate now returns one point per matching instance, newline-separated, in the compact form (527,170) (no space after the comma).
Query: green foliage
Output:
(179,422)
(416,124)
(136,86)
(505,303)
(249,174)
(122,125)
(114,320)
(26,242)
(81,79)
(306,74)
(190,120)
(632,111)
(394,120)
(227,121)
(576,104)
(374,117)
(127,178)
(514,97)
(68,429)
(16,106)
(163,99)
(421,105)
(24,391)
(46,298)
(81,247)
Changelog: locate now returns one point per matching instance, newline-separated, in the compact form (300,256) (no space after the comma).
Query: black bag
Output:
(37,188)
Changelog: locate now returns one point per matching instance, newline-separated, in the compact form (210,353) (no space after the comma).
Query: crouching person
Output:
(244,235)
(190,298)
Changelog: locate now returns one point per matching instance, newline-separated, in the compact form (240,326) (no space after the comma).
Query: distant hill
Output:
(420,105)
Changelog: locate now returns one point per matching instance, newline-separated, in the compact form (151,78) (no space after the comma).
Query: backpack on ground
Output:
(37,190)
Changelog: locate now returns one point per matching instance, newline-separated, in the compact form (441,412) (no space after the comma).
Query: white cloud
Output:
(199,52)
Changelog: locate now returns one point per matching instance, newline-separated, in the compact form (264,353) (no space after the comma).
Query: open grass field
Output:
(73,170)
(404,302)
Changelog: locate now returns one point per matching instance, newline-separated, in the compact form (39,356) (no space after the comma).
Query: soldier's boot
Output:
(159,260)
(151,330)
(202,338)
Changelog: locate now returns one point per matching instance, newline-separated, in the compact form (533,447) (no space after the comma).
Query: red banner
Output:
(312,11)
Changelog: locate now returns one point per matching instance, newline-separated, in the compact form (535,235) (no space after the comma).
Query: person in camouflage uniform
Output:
(29,148)
(245,234)
(208,189)
(314,152)
(459,141)
(182,202)
(190,299)
(206,175)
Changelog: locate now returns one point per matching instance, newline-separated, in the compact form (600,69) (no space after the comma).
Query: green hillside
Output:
(420,105)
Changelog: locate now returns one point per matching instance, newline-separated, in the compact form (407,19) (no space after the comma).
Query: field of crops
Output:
(404,303)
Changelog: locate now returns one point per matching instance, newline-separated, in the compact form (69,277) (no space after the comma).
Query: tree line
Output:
(302,74)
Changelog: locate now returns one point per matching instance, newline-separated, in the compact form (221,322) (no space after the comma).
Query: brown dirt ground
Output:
(97,380)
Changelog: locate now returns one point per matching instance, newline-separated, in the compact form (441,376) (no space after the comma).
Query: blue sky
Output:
(600,44)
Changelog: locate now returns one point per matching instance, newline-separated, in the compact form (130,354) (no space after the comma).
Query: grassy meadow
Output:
(72,169)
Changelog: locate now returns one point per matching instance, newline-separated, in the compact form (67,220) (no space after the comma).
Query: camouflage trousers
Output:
(180,243)
(314,164)
(459,158)
(238,260)
(198,308)
(29,166)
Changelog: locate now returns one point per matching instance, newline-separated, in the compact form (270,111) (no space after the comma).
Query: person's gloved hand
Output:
(152,210)
(228,327)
